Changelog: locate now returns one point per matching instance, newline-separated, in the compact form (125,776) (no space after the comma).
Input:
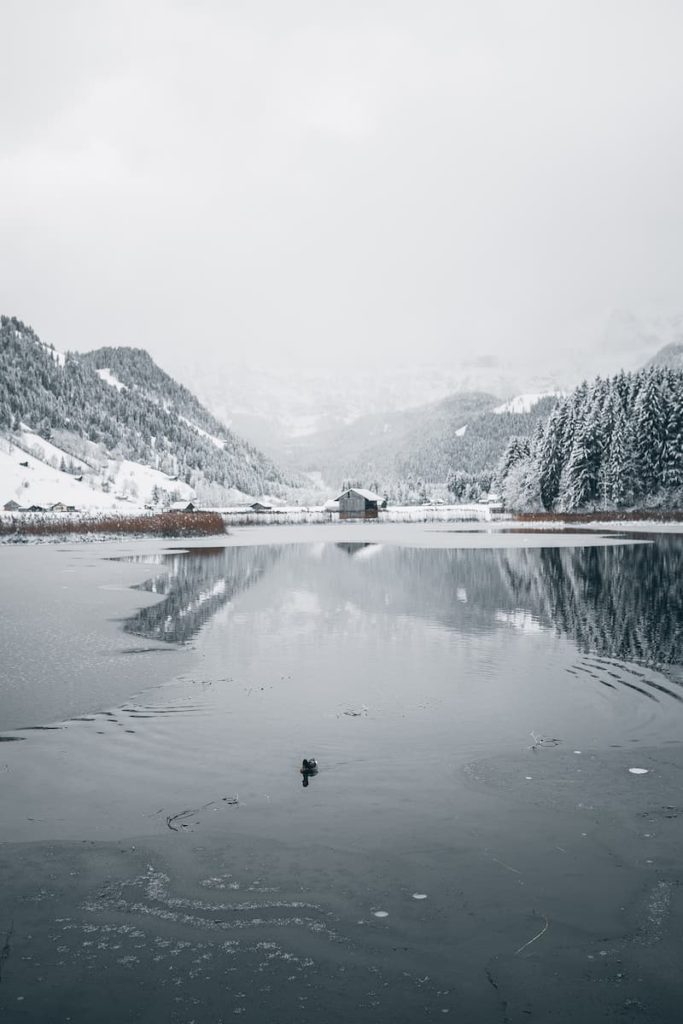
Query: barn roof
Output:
(368,495)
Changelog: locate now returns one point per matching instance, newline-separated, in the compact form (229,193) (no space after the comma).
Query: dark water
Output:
(474,714)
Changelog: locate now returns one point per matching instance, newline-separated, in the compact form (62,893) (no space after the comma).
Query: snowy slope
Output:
(115,484)
(136,482)
(40,484)
(44,450)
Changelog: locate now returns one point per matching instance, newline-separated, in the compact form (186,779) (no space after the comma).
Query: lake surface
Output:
(474,711)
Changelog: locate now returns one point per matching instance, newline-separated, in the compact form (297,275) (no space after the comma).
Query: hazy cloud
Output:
(339,181)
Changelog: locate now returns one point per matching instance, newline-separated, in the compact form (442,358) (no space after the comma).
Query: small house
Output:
(357,502)
(11,506)
(35,508)
(183,506)
(59,506)
(260,506)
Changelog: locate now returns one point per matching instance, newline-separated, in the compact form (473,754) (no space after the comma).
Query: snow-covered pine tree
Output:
(649,435)
(552,455)
(583,477)
(618,461)
(518,448)
(672,455)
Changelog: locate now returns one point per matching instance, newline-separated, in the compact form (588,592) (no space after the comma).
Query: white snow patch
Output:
(218,441)
(461,431)
(639,771)
(108,377)
(525,403)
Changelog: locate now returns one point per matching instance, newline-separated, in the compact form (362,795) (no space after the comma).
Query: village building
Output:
(260,506)
(183,506)
(357,502)
(11,506)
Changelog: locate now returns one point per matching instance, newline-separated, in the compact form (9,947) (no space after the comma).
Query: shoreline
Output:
(39,528)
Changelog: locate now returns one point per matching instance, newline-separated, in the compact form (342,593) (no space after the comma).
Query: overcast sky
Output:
(304,182)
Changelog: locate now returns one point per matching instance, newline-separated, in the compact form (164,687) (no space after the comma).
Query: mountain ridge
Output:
(145,416)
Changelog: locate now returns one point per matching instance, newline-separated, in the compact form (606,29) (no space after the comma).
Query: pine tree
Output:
(649,435)
(552,455)
(583,468)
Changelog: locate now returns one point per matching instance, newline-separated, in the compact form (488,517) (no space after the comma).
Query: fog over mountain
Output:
(347,186)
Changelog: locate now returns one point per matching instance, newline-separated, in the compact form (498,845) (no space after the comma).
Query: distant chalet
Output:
(260,506)
(183,506)
(11,506)
(359,503)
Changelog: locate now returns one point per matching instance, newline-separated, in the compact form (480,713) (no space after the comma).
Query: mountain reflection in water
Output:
(618,601)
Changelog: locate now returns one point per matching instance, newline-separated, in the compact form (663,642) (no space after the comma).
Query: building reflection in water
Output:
(617,601)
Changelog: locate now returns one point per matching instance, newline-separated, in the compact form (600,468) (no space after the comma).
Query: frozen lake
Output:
(474,699)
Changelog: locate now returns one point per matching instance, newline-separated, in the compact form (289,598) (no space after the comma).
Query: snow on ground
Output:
(219,442)
(45,450)
(108,377)
(418,535)
(630,526)
(136,482)
(461,431)
(39,484)
(525,403)
(128,485)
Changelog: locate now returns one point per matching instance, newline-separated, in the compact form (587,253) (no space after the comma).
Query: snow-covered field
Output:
(30,474)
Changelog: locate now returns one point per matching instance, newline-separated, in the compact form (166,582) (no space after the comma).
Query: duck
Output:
(309,766)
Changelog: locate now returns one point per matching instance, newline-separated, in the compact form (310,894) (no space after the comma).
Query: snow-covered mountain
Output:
(276,408)
(670,356)
(116,419)
(401,451)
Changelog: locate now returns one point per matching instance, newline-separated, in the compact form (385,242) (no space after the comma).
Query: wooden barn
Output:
(11,506)
(260,506)
(359,503)
(183,506)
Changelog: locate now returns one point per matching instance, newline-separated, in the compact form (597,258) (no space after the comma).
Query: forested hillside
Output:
(615,443)
(121,402)
(456,442)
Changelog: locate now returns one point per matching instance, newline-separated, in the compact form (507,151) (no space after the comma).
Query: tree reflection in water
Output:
(618,601)
(196,585)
